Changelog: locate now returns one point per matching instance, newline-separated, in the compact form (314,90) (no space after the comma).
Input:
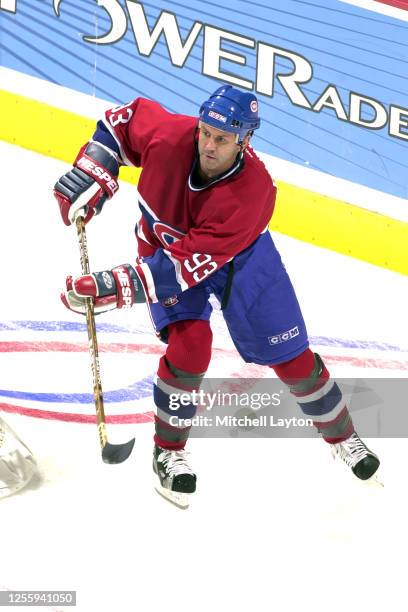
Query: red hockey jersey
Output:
(186,231)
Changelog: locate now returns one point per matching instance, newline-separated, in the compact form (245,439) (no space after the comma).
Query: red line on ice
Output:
(77,347)
(81,347)
(366,362)
(152,349)
(122,419)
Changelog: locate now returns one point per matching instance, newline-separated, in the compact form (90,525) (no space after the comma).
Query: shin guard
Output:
(318,396)
(181,370)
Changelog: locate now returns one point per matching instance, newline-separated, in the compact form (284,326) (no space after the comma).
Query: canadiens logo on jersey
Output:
(170,301)
(166,234)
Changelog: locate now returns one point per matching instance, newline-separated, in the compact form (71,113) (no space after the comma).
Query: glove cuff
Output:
(129,287)
(125,290)
(96,162)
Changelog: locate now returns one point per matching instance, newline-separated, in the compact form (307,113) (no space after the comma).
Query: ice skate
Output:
(363,462)
(176,479)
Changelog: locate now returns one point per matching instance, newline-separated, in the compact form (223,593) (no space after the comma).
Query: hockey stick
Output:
(111,453)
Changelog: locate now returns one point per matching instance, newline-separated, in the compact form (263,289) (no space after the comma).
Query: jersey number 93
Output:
(195,265)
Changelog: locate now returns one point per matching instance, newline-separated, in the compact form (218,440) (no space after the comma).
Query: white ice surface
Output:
(275,524)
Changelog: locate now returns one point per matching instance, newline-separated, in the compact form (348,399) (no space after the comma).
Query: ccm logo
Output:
(125,289)
(91,168)
(285,336)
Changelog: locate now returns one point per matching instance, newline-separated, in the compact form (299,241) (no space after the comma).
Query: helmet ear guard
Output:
(231,110)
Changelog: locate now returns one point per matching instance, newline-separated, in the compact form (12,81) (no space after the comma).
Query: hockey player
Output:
(205,200)
(17,464)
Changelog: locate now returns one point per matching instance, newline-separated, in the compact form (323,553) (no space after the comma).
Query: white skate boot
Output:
(177,481)
(363,462)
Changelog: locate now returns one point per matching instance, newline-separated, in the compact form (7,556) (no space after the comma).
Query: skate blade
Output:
(374,481)
(181,500)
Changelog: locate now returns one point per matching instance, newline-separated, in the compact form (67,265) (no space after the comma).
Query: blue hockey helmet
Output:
(231,110)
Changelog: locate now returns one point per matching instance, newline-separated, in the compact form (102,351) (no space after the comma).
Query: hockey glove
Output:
(92,181)
(117,288)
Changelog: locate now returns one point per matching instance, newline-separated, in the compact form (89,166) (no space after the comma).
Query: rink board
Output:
(337,128)
(303,214)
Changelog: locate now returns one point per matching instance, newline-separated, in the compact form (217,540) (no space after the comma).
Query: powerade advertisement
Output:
(331,75)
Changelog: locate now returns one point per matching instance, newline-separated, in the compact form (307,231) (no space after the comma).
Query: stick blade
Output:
(117,453)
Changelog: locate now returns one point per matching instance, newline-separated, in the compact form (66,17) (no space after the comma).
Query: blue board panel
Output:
(352,49)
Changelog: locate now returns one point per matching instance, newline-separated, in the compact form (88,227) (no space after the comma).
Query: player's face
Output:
(217,150)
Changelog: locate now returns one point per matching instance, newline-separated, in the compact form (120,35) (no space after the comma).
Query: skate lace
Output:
(175,462)
(352,450)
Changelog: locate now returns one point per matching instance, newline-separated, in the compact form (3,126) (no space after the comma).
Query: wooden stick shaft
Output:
(92,339)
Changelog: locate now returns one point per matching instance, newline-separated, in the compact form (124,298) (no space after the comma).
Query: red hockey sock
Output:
(181,369)
(318,396)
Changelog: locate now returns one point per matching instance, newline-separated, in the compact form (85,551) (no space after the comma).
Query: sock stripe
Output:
(325,404)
